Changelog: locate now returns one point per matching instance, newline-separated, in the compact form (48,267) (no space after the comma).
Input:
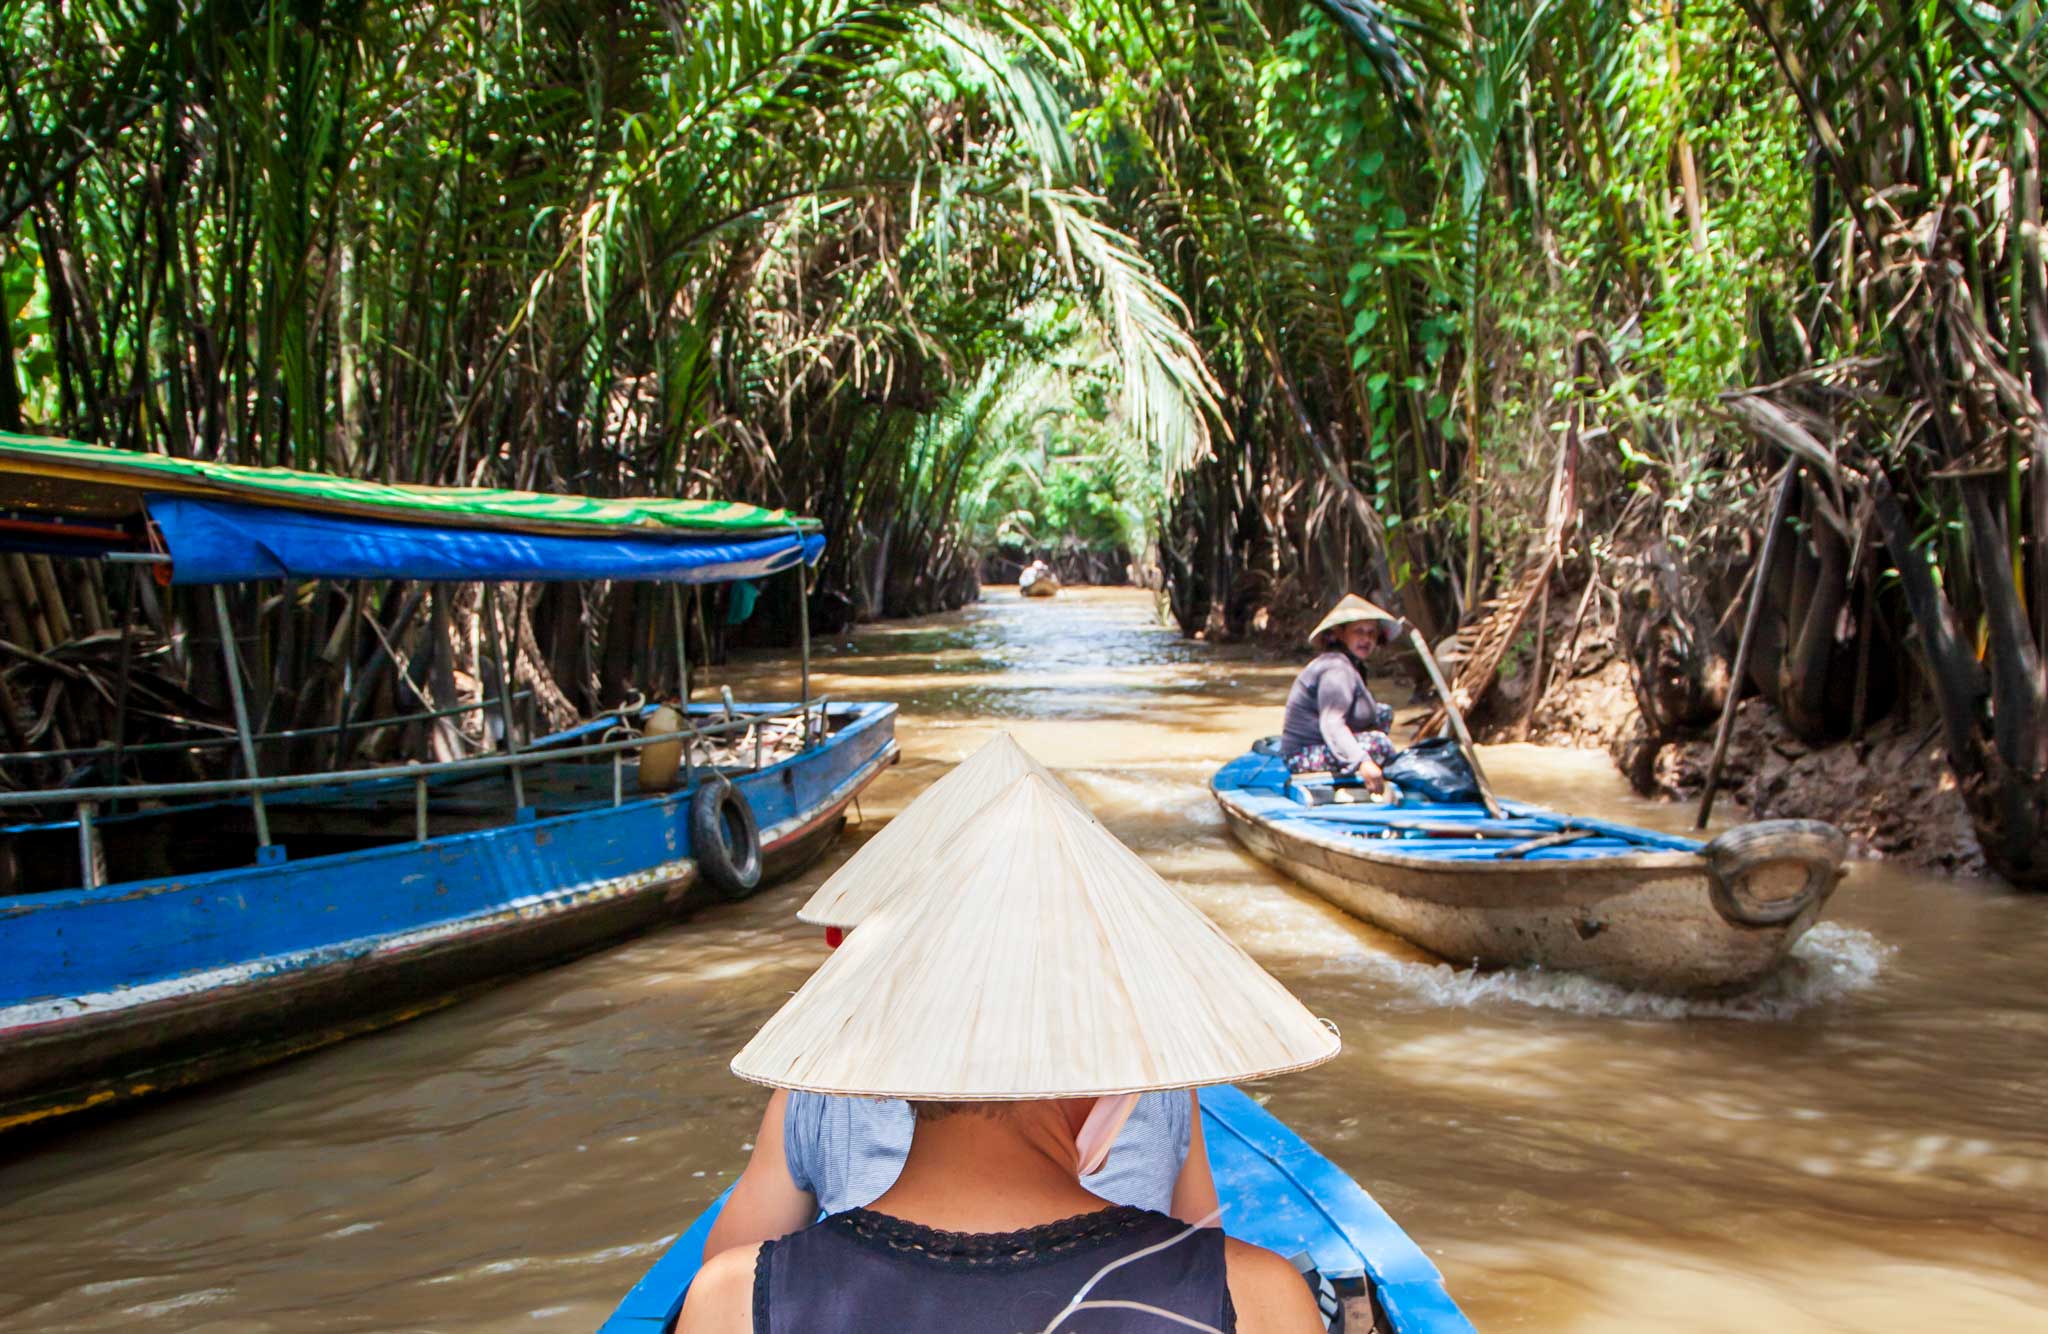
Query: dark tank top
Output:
(861,1272)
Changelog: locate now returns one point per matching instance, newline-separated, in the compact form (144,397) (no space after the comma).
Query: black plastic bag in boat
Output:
(1434,770)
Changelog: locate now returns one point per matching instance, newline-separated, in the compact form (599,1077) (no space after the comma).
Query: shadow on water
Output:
(1859,1148)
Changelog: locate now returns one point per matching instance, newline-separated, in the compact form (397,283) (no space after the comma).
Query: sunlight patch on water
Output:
(711,970)
(354,1229)
(204,1297)
(113,1285)
(1604,1285)
(496,1268)
(1144,795)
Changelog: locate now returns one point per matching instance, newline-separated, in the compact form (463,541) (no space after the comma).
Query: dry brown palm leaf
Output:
(1490,637)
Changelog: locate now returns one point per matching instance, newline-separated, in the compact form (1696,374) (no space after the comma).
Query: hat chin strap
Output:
(1105,1119)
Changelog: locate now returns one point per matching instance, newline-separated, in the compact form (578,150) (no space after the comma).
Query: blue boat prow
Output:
(1277,1192)
(658,1296)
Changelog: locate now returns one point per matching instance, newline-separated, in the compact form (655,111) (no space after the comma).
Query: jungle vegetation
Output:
(1457,300)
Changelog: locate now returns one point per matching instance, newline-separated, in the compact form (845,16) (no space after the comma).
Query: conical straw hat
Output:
(1349,608)
(888,861)
(1037,957)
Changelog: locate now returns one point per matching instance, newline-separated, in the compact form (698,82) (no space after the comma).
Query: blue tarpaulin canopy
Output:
(219,541)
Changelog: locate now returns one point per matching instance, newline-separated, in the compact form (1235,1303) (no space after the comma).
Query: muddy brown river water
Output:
(1859,1147)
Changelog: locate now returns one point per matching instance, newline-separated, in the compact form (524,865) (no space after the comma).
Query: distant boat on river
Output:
(1536,888)
(1038,580)
(155,935)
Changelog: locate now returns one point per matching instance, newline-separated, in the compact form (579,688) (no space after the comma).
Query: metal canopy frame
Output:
(513,759)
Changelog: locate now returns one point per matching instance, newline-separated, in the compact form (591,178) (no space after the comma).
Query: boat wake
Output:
(1830,962)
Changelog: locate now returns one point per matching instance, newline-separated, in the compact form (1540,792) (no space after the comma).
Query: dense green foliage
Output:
(1436,296)
(744,248)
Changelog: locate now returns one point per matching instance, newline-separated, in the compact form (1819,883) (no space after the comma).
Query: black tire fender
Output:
(1813,847)
(725,840)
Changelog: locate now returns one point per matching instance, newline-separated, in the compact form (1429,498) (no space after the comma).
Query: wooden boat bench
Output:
(1330,789)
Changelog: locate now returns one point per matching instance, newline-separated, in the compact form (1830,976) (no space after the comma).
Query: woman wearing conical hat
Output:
(1019,995)
(823,1152)
(1332,722)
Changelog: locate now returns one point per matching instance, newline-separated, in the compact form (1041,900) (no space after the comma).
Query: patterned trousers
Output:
(1379,748)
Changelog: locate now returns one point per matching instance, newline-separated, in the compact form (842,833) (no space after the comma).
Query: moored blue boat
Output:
(1276,1191)
(155,935)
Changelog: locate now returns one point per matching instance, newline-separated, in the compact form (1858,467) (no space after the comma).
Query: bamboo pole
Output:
(92,866)
(53,598)
(497,647)
(14,606)
(31,603)
(1457,717)
(233,662)
(683,650)
(93,602)
(1780,512)
(135,576)
(345,687)
(803,622)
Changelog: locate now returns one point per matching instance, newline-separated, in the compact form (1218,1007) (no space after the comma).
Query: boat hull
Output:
(134,989)
(1276,1192)
(1652,920)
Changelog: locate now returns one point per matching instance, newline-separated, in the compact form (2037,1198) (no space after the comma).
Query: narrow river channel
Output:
(1861,1147)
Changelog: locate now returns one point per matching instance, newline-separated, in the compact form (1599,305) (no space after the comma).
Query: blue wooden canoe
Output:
(135,987)
(1276,1191)
(1639,908)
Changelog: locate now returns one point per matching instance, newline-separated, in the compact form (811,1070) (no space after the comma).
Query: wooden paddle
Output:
(1457,717)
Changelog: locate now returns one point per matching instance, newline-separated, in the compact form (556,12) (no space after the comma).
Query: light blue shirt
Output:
(847,1151)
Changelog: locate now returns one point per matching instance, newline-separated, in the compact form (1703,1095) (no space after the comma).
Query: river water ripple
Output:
(1858,1147)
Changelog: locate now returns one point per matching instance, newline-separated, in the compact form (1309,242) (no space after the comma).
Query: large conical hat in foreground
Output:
(1349,608)
(887,862)
(1037,957)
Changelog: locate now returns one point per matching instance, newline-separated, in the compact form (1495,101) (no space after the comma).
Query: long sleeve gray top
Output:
(1329,704)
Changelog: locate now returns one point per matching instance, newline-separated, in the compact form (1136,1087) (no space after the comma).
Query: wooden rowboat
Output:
(1038,581)
(1276,1191)
(1644,910)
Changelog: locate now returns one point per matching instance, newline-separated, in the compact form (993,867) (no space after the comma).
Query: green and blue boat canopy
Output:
(226,523)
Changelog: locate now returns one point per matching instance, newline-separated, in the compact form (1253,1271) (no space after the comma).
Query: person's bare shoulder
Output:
(1270,1294)
(721,1299)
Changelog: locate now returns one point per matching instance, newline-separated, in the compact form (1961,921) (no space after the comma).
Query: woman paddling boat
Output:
(1333,724)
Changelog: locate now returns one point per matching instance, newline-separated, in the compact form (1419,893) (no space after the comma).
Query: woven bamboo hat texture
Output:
(1037,957)
(885,863)
(1349,608)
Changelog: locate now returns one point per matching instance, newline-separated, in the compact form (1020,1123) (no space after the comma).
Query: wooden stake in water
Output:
(1779,514)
